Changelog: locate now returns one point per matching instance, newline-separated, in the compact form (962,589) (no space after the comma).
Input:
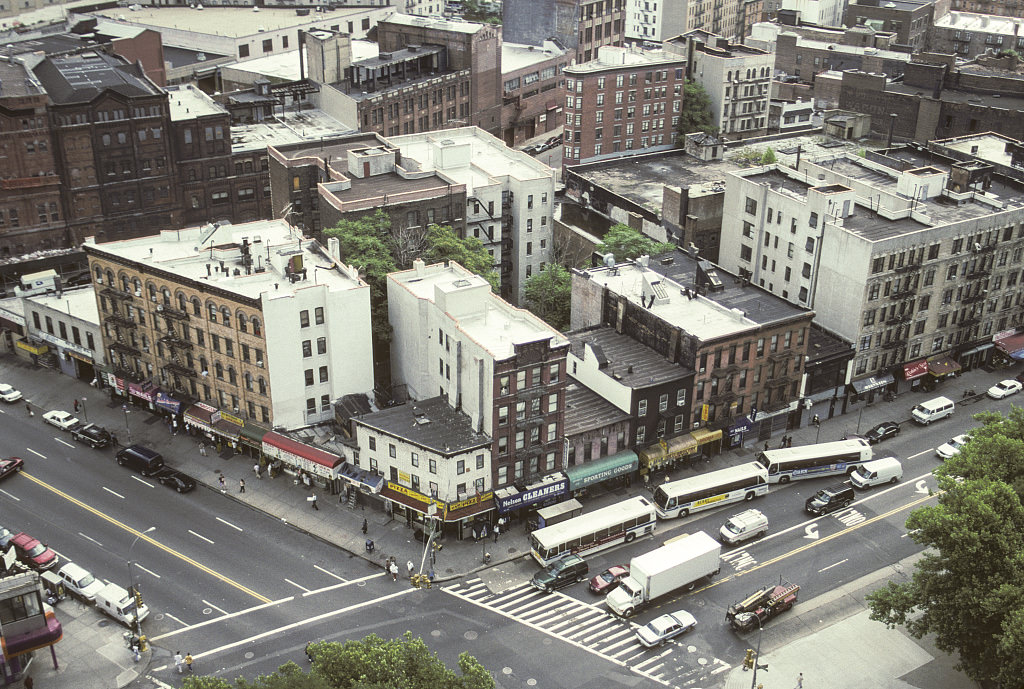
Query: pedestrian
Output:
(800,681)
(241,485)
(113,439)
(256,470)
(202,449)
(766,446)
(76,406)
(223,483)
(497,530)
(178,662)
(411,567)
(365,527)
(28,408)
(393,568)
(312,501)
(188,661)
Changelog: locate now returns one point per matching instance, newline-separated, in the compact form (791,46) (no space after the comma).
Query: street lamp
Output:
(124,408)
(84,412)
(131,579)
(757,654)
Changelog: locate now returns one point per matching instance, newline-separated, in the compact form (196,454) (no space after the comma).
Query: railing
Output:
(115,293)
(123,321)
(171,312)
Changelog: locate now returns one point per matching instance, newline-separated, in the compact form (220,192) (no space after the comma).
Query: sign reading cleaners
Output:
(507,503)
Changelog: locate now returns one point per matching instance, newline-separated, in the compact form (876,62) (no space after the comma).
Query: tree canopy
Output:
(548,295)
(626,244)
(369,663)
(696,113)
(967,589)
(444,245)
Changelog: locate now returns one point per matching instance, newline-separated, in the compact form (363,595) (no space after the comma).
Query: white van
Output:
(744,526)
(933,410)
(877,471)
(115,601)
(80,582)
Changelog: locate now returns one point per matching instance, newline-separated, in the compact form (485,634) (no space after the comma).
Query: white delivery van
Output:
(933,410)
(877,471)
(115,601)
(743,526)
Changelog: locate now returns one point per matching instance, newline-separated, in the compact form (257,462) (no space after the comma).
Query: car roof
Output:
(74,571)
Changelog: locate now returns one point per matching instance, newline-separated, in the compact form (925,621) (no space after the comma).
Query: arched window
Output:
(167,296)
(125,284)
(256,326)
(225,316)
(243,323)
(99,274)
(248,381)
(212,309)
(263,385)
(182,303)
(197,309)
(232,377)
(110,278)
(138,286)
(218,370)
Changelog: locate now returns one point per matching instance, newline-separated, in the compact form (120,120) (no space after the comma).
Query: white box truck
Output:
(117,602)
(680,564)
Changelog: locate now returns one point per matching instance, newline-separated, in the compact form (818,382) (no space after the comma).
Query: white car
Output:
(80,581)
(952,448)
(61,419)
(9,394)
(661,629)
(1004,389)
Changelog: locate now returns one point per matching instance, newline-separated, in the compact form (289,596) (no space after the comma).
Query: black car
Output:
(175,479)
(91,434)
(883,431)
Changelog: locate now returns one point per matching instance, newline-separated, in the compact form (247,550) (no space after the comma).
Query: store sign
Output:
(529,497)
(224,416)
(469,502)
(409,493)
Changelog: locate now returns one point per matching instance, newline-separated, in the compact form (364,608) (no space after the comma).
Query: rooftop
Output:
(758,305)
(234,22)
(990,147)
(517,56)
(994,100)
(81,77)
(585,410)
(182,57)
(285,65)
(839,47)
(611,58)
(432,424)
(286,128)
(629,362)
(666,299)
(455,25)
(18,82)
(187,102)
(484,317)
(79,303)
(197,253)
(982,23)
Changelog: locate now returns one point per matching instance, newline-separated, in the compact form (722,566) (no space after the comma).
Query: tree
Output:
(696,113)
(769,156)
(444,245)
(967,589)
(548,295)
(626,244)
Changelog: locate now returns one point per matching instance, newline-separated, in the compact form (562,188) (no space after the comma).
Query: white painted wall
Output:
(587,372)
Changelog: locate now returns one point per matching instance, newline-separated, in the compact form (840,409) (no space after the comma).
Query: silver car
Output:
(661,629)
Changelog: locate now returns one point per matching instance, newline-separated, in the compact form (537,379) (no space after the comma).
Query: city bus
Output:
(680,498)
(810,461)
(595,531)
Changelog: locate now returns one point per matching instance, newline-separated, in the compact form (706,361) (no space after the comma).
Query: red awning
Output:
(915,369)
(302,450)
(942,366)
(1012,345)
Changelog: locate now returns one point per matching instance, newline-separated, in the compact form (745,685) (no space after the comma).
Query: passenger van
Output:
(141,459)
(933,410)
(115,601)
(876,472)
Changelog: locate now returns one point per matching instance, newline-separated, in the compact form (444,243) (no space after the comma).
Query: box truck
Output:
(117,602)
(680,564)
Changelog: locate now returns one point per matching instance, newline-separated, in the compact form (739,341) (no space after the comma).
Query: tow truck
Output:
(762,605)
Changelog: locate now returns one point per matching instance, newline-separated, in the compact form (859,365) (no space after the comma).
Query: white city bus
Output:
(680,498)
(811,461)
(594,531)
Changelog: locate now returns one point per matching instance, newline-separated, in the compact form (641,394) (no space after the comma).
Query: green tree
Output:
(444,245)
(768,158)
(626,244)
(696,113)
(548,295)
(967,589)
(200,682)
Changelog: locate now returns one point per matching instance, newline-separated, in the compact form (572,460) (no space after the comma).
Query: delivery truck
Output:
(680,564)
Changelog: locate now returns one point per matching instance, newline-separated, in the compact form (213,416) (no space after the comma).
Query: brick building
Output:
(969,35)
(533,87)
(806,56)
(626,102)
(909,20)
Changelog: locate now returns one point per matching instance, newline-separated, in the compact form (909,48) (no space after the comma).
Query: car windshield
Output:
(732,526)
(607,577)
(660,625)
(36,550)
(86,580)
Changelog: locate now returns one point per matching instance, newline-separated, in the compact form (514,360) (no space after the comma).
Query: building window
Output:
(309,376)
(304,319)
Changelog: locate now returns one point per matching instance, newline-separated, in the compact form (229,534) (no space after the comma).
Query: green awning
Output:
(253,434)
(583,475)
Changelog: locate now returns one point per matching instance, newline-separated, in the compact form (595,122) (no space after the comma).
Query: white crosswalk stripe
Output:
(587,626)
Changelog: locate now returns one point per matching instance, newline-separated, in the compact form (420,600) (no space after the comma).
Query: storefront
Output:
(914,372)
(665,453)
(142,394)
(31,350)
(250,439)
(615,469)
(740,427)
(709,442)
(424,513)
(868,386)
(310,464)
(511,501)
(940,368)
(1010,344)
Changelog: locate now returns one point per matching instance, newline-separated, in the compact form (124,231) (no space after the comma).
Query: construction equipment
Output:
(760,606)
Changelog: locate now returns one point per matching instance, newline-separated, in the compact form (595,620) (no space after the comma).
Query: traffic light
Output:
(748,661)
(138,597)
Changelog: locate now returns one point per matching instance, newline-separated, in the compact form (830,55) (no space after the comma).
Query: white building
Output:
(501,366)
(908,257)
(656,20)
(68,323)
(510,197)
(253,319)
(736,77)
(820,12)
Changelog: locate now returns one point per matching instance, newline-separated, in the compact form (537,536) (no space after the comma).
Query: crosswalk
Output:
(594,629)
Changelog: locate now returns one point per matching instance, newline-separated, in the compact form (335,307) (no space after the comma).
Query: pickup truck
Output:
(762,605)
(91,434)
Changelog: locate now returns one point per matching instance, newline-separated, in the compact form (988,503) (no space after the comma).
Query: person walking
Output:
(497,530)
(188,662)
(800,681)
(256,470)
(411,567)
(365,527)
(241,485)
(113,439)
(178,662)
(76,406)
(223,483)
(28,408)
(393,568)
(312,501)
(202,449)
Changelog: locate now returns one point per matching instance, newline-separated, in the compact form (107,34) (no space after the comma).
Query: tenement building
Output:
(253,320)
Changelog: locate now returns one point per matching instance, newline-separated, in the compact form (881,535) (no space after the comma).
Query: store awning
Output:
(300,455)
(470,507)
(942,366)
(549,487)
(975,350)
(200,415)
(361,477)
(1012,345)
(915,369)
(653,456)
(871,383)
(703,436)
(588,473)
(251,434)
(680,446)
(165,401)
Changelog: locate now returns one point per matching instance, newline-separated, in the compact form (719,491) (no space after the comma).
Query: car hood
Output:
(543,577)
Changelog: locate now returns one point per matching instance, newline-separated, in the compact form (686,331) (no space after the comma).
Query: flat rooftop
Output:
(455,25)
(982,23)
(80,303)
(995,100)
(18,81)
(517,56)
(286,65)
(585,410)
(432,424)
(192,254)
(630,363)
(234,22)
(484,317)
(990,147)
(286,128)
(186,102)
(610,58)
(182,57)
(697,315)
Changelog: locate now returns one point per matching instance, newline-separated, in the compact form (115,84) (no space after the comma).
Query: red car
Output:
(33,553)
(607,580)
(9,465)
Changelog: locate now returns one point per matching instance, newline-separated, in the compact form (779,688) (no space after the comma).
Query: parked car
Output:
(661,629)
(5,537)
(33,553)
(607,580)
(9,394)
(10,465)
(91,434)
(1004,389)
(883,431)
(175,479)
(80,581)
(61,419)
(533,149)
(952,448)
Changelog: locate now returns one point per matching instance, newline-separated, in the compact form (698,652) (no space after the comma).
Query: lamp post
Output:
(131,578)
(757,654)
(84,412)
(127,428)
